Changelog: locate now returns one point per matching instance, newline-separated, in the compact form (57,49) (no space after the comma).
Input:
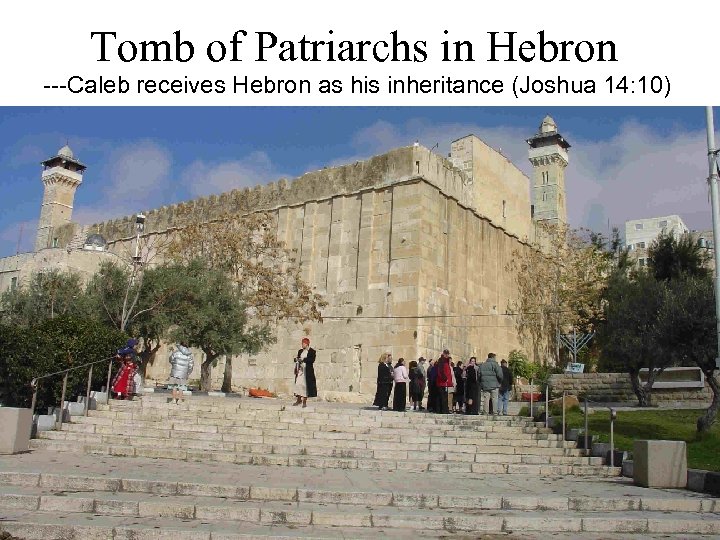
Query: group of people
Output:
(474,388)
(127,380)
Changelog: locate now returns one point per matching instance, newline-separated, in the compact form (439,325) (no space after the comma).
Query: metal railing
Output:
(35,384)
(613,417)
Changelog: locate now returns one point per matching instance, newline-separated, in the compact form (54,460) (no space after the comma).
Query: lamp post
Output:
(139,228)
(713,181)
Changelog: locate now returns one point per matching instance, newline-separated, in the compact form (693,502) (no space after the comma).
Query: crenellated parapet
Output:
(394,167)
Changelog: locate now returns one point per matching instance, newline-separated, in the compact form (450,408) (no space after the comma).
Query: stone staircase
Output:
(264,469)
(248,431)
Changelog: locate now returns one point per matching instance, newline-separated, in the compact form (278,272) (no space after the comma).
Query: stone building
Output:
(408,248)
(641,233)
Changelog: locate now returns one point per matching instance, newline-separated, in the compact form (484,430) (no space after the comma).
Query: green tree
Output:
(216,320)
(47,294)
(144,308)
(629,337)
(560,281)
(520,365)
(688,331)
(49,346)
(265,273)
(671,257)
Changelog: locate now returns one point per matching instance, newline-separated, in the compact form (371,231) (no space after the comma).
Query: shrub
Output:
(520,365)
(49,346)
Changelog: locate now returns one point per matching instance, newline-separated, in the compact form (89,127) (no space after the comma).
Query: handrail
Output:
(35,382)
(613,416)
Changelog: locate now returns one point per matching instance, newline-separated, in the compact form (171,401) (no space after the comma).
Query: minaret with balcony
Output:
(549,157)
(61,176)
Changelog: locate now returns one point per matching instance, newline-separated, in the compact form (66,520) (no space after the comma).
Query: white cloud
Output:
(137,177)
(637,173)
(201,178)
(138,171)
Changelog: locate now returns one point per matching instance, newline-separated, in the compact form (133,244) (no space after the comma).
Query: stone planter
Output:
(581,441)
(43,422)
(660,464)
(619,457)
(600,450)
(572,434)
(75,408)
(15,428)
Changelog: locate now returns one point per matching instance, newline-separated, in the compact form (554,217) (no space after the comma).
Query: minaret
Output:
(548,155)
(62,174)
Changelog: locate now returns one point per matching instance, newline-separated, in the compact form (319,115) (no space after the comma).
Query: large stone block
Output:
(15,427)
(660,464)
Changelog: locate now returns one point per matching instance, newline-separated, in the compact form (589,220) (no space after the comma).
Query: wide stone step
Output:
(56,525)
(353,425)
(157,502)
(262,443)
(302,430)
(24,490)
(411,440)
(360,441)
(320,462)
(256,443)
(294,523)
(391,419)
(368,451)
(318,410)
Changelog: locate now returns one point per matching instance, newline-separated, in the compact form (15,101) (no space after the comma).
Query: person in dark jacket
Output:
(472,388)
(505,388)
(444,382)
(384,381)
(432,405)
(490,378)
(417,386)
(459,397)
(304,367)
(402,378)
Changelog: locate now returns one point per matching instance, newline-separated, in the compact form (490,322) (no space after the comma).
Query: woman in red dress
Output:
(123,385)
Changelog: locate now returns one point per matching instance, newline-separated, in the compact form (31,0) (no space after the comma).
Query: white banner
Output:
(361,53)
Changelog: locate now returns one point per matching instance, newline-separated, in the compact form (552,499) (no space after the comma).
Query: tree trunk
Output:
(147,357)
(706,421)
(206,373)
(227,376)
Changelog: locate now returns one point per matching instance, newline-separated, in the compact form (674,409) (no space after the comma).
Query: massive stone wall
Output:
(616,387)
(501,189)
(395,166)
(464,279)
(23,266)
(401,250)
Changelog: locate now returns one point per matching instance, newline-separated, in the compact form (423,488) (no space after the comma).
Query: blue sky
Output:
(626,163)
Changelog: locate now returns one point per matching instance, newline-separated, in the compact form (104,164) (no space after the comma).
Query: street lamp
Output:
(139,228)
(714,169)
